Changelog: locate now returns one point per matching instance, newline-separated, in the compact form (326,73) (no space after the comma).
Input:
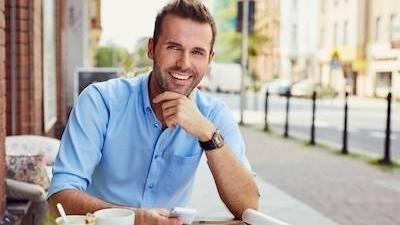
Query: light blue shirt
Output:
(114,147)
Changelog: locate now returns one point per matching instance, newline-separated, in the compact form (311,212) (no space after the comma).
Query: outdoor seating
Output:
(29,161)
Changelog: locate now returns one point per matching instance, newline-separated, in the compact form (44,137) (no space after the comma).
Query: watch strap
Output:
(216,141)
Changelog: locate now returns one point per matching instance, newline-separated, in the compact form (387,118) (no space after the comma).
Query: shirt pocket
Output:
(180,173)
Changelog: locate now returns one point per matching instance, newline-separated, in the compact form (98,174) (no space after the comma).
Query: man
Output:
(137,143)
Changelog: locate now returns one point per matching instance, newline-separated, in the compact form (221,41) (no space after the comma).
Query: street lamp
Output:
(245,44)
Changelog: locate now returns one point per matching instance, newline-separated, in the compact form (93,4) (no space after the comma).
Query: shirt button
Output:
(156,125)
(151,186)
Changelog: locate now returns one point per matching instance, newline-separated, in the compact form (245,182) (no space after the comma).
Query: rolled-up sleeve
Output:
(226,123)
(81,143)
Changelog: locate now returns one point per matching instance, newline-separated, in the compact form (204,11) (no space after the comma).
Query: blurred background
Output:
(344,52)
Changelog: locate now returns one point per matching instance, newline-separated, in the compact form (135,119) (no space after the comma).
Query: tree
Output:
(114,56)
(140,59)
(228,43)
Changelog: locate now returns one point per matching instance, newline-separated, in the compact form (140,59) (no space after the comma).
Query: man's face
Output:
(181,55)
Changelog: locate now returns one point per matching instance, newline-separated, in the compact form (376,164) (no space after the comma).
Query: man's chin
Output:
(182,92)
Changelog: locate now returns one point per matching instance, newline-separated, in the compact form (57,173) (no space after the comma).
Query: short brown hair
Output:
(187,9)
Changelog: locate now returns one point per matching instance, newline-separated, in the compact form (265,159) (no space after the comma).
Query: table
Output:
(218,222)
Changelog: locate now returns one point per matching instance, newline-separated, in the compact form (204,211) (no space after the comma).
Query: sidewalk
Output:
(309,185)
(273,202)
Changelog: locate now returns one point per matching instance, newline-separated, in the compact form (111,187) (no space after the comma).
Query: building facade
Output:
(342,56)
(2,109)
(266,65)
(81,35)
(35,66)
(299,39)
(383,72)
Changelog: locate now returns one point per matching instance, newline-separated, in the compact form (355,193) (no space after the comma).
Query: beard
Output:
(163,76)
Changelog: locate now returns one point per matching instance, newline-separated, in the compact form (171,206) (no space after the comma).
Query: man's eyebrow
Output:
(200,49)
(173,43)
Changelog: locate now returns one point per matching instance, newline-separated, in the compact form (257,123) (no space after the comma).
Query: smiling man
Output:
(137,142)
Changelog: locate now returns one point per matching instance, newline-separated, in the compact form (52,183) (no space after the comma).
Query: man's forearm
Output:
(235,184)
(76,202)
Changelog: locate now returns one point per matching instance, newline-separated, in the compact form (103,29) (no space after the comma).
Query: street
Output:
(366,120)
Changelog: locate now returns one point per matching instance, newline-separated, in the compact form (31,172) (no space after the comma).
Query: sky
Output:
(124,22)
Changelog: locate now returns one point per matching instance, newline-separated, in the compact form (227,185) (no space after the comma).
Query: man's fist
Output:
(155,217)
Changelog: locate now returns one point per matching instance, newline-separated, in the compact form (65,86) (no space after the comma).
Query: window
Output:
(345,32)
(322,37)
(323,5)
(266,6)
(335,33)
(394,27)
(384,80)
(335,2)
(378,28)
(294,37)
(294,4)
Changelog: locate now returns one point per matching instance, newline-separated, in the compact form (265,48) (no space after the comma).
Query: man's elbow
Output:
(254,202)
(55,198)
(251,201)
(252,198)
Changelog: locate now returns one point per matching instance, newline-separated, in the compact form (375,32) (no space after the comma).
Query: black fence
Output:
(344,150)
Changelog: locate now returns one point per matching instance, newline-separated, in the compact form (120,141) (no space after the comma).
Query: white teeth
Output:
(179,77)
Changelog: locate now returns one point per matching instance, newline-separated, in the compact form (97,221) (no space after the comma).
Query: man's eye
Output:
(173,47)
(197,53)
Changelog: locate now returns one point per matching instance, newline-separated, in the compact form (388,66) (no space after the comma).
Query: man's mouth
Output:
(179,76)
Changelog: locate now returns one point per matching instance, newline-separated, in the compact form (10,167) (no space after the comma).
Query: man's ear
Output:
(150,48)
(212,56)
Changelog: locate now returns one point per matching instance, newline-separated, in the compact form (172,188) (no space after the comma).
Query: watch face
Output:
(218,139)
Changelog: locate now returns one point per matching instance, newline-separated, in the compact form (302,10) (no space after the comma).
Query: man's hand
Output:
(155,217)
(180,110)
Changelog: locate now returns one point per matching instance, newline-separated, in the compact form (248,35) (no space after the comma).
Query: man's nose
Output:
(183,62)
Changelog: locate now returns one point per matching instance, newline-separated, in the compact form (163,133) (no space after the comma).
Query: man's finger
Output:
(170,111)
(163,212)
(171,121)
(175,221)
(167,95)
(169,104)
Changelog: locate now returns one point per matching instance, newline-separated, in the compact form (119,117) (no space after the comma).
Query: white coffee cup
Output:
(73,220)
(115,216)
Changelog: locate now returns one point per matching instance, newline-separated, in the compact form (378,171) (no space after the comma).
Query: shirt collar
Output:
(145,92)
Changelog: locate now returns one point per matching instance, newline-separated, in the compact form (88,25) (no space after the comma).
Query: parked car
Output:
(277,87)
(303,88)
(225,77)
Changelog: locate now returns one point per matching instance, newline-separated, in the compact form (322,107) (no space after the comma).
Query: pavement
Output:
(305,185)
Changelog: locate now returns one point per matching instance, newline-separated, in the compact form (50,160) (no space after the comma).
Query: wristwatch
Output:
(216,141)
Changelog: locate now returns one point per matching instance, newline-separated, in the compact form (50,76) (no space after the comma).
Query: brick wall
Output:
(36,123)
(28,112)
(2,108)
(61,102)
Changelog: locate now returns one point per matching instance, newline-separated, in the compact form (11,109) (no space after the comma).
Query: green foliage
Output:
(226,48)
(256,42)
(114,56)
(228,42)
(142,62)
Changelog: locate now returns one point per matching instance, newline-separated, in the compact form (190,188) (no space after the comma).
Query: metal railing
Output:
(386,158)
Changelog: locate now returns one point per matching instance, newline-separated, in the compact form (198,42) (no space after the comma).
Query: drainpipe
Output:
(13,75)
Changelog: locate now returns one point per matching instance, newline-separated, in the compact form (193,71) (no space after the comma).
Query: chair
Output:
(28,145)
